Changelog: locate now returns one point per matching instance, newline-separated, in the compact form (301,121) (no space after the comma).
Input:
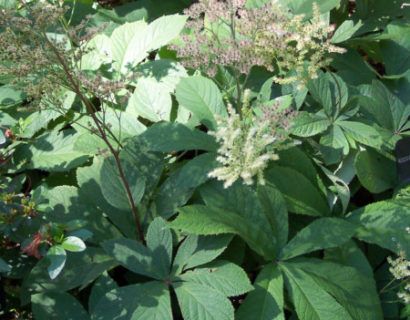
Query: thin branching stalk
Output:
(103,136)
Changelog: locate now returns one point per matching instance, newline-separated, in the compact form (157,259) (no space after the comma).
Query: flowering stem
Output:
(101,131)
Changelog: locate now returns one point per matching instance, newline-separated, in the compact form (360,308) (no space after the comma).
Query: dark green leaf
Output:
(197,250)
(200,302)
(300,195)
(376,172)
(55,305)
(159,241)
(384,223)
(223,276)
(113,187)
(134,256)
(320,234)
(147,301)
(202,220)
(266,301)
(307,125)
(101,286)
(169,137)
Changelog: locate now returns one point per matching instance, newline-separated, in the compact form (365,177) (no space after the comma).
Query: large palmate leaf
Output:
(307,124)
(197,250)
(56,305)
(311,301)
(176,190)
(203,220)
(345,284)
(320,234)
(52,151)
(300,194)
(147,301)
(131,42)
(266,301)
(380,105)
(244,201)
(101,286)
(330,91)
(223,276)
(384,223)
(202,97)
(199,302)
(134,256)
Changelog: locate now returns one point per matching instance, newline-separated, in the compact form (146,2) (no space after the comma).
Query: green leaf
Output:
(164,71)
(200,302)
(320,234)
(380,105)
(134,256)
(55,305)
(223,276)
(266,302)
(300,194)
(4,267)
(10,96)
(131,42)
(150,101)
(346,285)
(176,190)
(146,301)
(334,145)
(159,241)
(90,182)
(169,137)
(362,133)
(349,254)
(195,172)
(73,244)
(310,300)
(306,6)
(395,51)
(57,257)
(274,207)
(299,161)
(101,286)
(52,151)
(244,201)
(346,30)
(202,97)
(80,270)
(202,220)
(384,223)
(307,124)
(352,68)
(68,203)
(330,91)
(197,250)
(376,172)
(113,187)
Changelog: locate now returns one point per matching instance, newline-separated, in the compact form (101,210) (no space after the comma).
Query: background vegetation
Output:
(217,160)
